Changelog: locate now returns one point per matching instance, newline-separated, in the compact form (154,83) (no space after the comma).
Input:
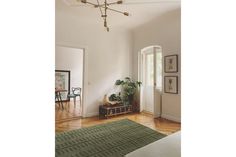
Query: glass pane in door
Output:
(159,70)
(149,81)
(150,70)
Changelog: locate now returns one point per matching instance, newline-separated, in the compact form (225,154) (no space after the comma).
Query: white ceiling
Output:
(141,11)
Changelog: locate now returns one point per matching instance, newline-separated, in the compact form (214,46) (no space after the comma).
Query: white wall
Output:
(164,31)
(107,56)
(67,58)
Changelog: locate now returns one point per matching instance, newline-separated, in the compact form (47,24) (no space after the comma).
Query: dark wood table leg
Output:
(74,102)
(57,98)
(59,93)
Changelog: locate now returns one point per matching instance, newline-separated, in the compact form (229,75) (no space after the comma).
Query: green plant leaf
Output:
(127,78)
(118,82)
(139,83)
(114,97)
(128,90)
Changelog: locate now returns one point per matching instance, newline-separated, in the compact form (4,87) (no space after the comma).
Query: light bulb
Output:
(119,2)
(126,13)
(84,1)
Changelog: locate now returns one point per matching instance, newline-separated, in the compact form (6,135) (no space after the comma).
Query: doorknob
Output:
(155,83)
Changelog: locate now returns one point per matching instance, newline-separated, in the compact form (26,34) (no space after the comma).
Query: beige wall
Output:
(114,55)
(164,31)
(107,56)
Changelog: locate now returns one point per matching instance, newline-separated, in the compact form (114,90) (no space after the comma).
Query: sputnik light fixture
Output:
(104,8)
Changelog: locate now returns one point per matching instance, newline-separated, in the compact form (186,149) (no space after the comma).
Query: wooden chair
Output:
(75,92)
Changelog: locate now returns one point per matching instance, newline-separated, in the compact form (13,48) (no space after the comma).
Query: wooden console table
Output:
(106,111)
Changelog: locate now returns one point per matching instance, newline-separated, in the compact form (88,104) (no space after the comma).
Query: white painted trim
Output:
(91,114)
(156,48)
(169,117)
(157,115)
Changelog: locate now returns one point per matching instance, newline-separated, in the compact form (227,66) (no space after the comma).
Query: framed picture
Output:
(62,82)
(171,84)
(171,64)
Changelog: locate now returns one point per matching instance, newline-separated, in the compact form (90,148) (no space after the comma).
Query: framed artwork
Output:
(171,64)
(62,82)
(171,84)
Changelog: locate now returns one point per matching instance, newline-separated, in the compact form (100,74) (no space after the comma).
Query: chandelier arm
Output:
(116,11)
(100,9)
(105,6)
(105,21)
(91,3)
(117,2)
(102,5)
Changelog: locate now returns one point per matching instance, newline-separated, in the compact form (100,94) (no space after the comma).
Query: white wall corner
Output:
(91,114)
(157,115)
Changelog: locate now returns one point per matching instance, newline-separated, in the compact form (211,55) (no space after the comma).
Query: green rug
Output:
(113,139)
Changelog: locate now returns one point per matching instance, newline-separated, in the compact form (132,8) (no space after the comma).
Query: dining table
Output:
(58,96)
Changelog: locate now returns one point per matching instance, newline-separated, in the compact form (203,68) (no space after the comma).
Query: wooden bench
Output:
(106,111)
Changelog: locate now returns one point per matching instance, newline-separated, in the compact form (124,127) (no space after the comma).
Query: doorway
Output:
(71,60)
(150,74)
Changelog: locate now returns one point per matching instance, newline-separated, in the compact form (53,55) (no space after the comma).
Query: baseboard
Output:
(157,115)
(169,117)
(166,116)
(91,114)
(148,112)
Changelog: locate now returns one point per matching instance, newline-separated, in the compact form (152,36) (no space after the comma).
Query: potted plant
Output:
(128,90)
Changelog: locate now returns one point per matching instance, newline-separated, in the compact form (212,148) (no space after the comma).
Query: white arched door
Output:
(151,77)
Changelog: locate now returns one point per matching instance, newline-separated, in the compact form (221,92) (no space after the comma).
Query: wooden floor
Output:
(69,112)
(162,125)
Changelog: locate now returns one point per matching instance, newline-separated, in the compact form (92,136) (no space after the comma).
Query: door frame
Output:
(85,74)
(156,111)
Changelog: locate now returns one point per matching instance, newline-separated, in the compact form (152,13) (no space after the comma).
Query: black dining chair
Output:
(75,92)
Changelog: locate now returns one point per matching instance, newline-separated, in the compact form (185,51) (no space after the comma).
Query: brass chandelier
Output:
(103,9)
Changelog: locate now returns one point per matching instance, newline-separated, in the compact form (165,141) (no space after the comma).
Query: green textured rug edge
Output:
(154,136)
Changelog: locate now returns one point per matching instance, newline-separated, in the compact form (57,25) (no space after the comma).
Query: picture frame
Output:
(62,82)
(171,64)
(171,84)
